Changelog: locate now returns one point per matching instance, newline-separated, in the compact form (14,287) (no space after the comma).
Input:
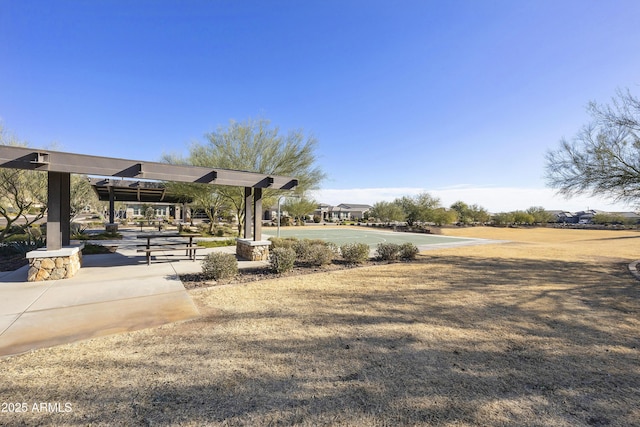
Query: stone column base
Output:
(111,227)
(54,265)
(251,250)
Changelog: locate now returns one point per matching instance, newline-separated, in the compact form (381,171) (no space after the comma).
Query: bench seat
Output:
(190,250)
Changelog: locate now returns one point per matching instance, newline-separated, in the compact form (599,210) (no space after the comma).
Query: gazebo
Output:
(60,165)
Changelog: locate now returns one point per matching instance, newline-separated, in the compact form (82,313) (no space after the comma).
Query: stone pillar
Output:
(54,264)
(251,250)
(111,227)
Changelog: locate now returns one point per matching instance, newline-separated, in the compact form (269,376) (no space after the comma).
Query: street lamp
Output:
(279,200)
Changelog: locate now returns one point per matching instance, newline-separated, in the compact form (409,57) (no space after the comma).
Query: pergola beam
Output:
(55,161)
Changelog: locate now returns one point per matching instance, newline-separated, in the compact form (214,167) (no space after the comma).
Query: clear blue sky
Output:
(402,95)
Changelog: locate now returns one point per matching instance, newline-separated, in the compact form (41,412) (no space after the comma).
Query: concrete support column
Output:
(257,215)
(248,212)
(58,210)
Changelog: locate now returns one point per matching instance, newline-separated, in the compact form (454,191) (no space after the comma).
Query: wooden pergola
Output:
(60,165)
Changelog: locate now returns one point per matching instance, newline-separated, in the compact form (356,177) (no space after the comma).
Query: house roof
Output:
(354,207)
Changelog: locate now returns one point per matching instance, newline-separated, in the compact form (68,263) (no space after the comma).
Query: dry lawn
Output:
(541,331)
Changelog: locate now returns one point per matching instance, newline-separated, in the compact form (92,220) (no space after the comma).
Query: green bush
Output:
(388,251)
(93,249)
(408,251)
(355,253)
(216,243)
(282,259)
(219,265)
(17,238)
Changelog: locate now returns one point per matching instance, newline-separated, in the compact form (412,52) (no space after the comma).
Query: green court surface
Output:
(373,237)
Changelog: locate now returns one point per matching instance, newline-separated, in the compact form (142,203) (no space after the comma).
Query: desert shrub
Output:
(388,251)
(219,265)
(203,228)
(282,259)
(282,242)
(302,249)
(334,248)
(320,254)
(355,253)
(408,251)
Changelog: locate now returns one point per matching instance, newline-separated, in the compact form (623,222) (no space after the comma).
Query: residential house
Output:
(342,212)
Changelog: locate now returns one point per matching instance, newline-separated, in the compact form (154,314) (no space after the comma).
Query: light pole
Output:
(279,200)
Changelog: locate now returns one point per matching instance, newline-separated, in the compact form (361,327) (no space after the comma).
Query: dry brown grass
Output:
(540,331)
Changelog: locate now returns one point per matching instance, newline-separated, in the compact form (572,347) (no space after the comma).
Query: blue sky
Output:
(458,98)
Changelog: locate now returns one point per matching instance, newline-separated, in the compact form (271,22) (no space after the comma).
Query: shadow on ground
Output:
(465,340)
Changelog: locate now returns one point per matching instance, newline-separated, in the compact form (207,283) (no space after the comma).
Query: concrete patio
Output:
(111,293)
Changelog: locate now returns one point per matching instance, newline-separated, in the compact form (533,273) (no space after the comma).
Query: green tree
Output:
(82,195)
(255,146)
(465,214)
(522,218)
(479,215)
(300,208)
(603,159)
(386,212)
(200,196)
(609,218)
(503,218)
(442,216)
(540,215)
(418,209)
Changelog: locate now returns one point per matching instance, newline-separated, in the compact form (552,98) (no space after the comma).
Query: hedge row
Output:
(288,252)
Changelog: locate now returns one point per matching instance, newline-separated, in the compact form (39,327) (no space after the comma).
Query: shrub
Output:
(388,251)
(282,242)
(320,254)
(203,228)
(302,249)
(23,247)
(408,251)
(93,249)
(355,253)
(219,265)
(282,259)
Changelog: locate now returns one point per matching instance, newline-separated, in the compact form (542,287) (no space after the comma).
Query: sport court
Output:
(373,237)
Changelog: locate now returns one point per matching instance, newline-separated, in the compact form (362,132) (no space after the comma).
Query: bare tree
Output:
(23,194)
(603,159)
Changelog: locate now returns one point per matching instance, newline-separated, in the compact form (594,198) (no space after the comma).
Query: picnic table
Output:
(151,223)
(189,248)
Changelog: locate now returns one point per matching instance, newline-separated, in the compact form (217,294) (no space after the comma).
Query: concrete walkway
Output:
(111,293)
